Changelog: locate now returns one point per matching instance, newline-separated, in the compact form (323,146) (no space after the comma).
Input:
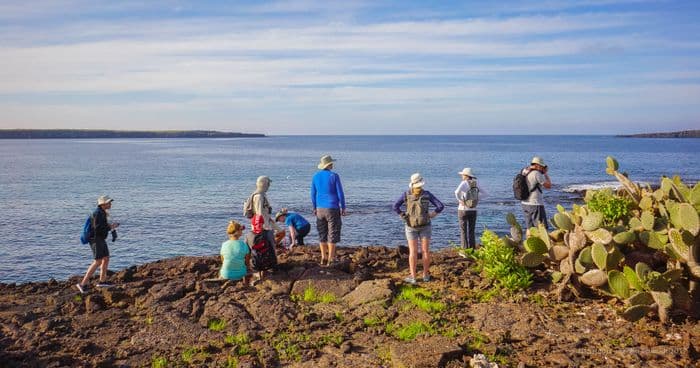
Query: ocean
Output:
(174,197)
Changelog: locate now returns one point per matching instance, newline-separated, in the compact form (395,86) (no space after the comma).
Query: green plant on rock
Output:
(496,259)
(159,362)
(421,298)
(410,331)
(601,246)
(216,324)
(241,343)
(311,295)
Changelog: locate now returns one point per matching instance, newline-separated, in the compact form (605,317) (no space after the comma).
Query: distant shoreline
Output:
(88,133)
(680,134)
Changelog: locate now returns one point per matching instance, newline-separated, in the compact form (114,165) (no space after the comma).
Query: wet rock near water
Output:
(356,313)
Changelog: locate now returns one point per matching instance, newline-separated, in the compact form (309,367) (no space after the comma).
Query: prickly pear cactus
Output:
(647,257)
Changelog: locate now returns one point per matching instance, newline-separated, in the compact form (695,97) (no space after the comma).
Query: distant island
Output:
(87,133)
(681,134)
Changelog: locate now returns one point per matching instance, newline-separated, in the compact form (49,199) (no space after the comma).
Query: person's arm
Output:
(459,192)
(313,194)
(293,234)
(340,193)
(101,226)
(436,202)
(258,204)
(399,202)
(547,182)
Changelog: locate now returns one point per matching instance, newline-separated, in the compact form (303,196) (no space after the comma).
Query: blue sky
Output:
(352,67)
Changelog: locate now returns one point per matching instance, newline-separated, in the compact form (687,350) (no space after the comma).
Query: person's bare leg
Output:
(425,242)
(331,253)
(412,256)
(324,251)
(90,271)
(103,269)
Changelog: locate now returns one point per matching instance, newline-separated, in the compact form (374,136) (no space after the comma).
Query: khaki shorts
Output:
(328,224)
(415,233)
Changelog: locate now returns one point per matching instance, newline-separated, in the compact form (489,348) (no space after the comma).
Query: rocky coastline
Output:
(679,134)
(357,313)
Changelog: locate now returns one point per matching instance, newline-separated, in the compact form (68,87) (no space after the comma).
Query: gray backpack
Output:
(248,210)
(417,210)
(471,197)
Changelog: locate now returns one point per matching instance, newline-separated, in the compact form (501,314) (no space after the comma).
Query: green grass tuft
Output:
(410,331)
(159,362)
(216,324)
(310,295)
(421,298)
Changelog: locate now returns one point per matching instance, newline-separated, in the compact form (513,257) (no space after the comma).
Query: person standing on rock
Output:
(261,207)
(418,226)
(533,206)
(235,255)
(98,243)
(328,202)
(468,194)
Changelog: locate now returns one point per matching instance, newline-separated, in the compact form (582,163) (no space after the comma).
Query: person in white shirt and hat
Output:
(533,206)
(468,194)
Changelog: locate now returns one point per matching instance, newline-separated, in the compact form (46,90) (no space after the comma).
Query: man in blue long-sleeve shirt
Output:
(328,201)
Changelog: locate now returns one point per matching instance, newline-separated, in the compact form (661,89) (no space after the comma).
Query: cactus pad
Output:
(531,260)
(562,221)
(601,236)
(635,313)
(600,256)
(618,284)
(595,278)
(535,245)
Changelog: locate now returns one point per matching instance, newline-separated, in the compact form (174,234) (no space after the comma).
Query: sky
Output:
(352,67)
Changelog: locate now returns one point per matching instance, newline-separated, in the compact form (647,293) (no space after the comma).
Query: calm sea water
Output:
(175,197)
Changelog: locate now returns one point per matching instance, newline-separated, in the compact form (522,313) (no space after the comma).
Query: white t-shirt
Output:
(533,178)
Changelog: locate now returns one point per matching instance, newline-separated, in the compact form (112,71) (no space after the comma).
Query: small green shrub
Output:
(216,324)
(421,298)
(613,207)
(310,295)
(159,362)
(498,262)
(241,342)
(231,362)
(410,331)
(371,321)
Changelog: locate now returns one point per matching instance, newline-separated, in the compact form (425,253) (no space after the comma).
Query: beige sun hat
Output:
(104,200)
(326,161)
(467,171)
(537,160)
(416,181)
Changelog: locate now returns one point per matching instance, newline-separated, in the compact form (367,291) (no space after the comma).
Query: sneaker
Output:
(104,285)
(81,288)
(410,280)
(426,278)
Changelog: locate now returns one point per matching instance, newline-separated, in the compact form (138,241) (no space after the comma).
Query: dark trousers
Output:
(467,223)
(535,215)
(301,233)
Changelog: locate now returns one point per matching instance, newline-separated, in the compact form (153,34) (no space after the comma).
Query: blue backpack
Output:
(88,231)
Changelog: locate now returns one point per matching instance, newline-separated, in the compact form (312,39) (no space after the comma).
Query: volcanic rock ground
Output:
(169,314)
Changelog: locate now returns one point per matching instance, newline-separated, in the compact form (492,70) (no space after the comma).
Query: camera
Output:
(114,235)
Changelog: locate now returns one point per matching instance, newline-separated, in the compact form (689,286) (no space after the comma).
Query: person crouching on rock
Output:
(235,255)
(298,226)
(417,217)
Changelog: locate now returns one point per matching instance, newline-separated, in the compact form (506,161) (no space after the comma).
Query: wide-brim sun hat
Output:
(282,212)
(104,200)
(537,160)
(326,161)
(467,171)
(417,181)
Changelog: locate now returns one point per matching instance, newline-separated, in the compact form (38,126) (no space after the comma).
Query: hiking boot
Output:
(104,285)
(81,288)
(410,280)
(426,278)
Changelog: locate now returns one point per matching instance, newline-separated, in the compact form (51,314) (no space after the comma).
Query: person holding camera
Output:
(98,243)
(533,206)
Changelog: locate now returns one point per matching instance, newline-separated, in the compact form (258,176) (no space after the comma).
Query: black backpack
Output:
(262,252)
(521,191)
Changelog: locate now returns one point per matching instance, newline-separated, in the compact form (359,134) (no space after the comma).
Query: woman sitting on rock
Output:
(235,255)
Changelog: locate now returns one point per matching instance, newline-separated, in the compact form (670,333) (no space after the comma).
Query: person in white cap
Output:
(98,243)
(533,206)
(417,217)
(328,202)
(468,194)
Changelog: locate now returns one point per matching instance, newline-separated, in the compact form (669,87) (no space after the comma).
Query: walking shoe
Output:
(81,288)
(426,278)
(410,280)
(104,285)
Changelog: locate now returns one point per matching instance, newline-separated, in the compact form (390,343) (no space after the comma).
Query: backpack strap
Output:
(537,184)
